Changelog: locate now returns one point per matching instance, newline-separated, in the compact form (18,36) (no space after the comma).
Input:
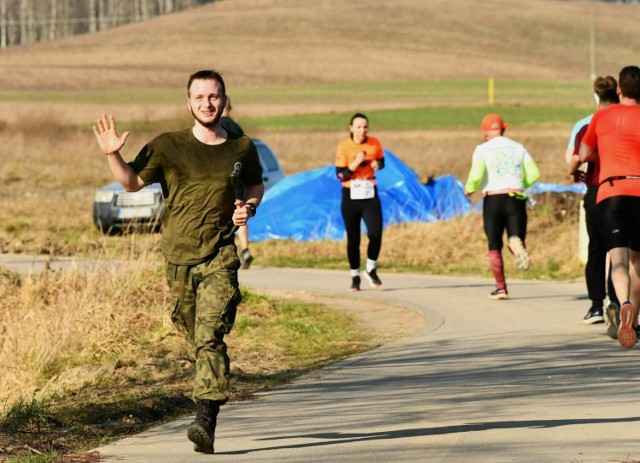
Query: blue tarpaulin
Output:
(306,206)
(538,188)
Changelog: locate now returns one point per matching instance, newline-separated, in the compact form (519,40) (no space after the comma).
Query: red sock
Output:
(497,267)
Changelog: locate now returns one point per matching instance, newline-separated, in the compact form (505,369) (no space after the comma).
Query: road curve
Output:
(484,381)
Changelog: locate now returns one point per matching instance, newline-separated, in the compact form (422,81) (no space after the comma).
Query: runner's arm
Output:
(124,173)
(476,175)
(254,193)
(574,169)
(567,154)
(343,173)
(531,173)
(243,213)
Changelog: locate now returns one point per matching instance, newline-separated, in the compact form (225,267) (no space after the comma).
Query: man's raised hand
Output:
(106,134)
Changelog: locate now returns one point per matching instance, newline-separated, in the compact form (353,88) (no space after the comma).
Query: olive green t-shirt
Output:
(199,184)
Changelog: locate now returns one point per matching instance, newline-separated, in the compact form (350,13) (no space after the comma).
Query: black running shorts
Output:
(620,219)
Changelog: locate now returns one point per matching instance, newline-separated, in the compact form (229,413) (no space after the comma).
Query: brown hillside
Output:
(293,41)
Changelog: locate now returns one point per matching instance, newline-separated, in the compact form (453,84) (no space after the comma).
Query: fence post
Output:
(491,93)
(583,236)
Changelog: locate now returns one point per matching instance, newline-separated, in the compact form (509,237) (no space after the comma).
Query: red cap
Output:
(493,122)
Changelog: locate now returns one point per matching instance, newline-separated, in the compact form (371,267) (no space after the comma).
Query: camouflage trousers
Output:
(206,300)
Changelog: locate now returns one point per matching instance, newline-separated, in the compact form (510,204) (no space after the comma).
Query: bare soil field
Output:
(290,42)
(257,42)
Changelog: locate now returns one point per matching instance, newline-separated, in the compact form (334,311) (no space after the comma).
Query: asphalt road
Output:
(25,263)
(484,381)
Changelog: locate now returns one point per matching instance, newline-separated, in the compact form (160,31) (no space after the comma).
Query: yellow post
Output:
(491,91)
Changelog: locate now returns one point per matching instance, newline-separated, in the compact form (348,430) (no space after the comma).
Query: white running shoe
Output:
(372,277)
(520,252)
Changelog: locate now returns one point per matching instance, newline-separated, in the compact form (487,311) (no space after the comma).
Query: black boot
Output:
(202,430)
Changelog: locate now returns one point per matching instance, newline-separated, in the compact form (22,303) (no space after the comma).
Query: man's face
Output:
(206,101)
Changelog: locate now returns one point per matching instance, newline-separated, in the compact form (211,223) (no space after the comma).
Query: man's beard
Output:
(209,124)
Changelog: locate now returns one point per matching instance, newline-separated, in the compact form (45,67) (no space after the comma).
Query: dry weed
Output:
(413,40)
(432,152)
(52,323)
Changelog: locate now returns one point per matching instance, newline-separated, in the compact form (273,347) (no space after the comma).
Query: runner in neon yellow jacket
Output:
(505,169)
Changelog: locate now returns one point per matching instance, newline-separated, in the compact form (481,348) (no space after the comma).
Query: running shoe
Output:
(594,315)
(355,284)
(520,252)
(499,293)
(372,276)
(627,336)
(613,318)
(245,259)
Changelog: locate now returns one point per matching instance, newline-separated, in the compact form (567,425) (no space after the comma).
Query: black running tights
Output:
(353,212)
(595,270)
(502,212)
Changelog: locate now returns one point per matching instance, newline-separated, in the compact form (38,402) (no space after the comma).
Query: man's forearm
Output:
(124,173)
(568,154)
(574,164)
(254,193)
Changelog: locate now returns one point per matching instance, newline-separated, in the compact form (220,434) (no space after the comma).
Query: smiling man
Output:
(200,170)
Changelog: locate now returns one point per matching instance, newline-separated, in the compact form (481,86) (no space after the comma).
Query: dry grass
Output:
(437,153)
(293,41)
(78,326)
(89,357)
(50,173)
(61,332)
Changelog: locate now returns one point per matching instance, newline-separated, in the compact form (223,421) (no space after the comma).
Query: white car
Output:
(117,210)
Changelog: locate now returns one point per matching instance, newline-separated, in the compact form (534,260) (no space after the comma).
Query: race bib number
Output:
(362,189)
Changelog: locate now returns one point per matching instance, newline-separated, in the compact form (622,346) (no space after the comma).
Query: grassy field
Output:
(310,95)
(421,76)
(425,118)
(115,364)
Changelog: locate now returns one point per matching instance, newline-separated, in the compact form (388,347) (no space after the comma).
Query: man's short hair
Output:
(629,82)
(207,74)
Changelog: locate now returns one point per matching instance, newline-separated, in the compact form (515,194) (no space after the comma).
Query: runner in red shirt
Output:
(613,136)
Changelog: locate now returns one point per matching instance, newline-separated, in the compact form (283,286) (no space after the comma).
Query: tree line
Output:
(28,21)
